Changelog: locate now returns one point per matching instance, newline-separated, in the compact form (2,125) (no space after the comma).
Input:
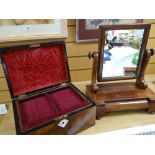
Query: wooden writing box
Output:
(43,97)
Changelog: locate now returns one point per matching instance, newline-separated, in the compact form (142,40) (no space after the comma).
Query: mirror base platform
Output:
(120,97)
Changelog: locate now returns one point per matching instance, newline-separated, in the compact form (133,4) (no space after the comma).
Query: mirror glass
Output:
(121,52)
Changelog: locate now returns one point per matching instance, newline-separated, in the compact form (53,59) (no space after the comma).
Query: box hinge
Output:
(63,84)
(21,96)
(34,45)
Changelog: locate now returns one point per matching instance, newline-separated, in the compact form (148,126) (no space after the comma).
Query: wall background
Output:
(80,65)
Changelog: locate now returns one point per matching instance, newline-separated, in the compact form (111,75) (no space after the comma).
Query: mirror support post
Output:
(95,57)
(140,82)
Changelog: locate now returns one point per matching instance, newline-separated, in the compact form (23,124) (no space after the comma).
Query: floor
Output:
(112,121)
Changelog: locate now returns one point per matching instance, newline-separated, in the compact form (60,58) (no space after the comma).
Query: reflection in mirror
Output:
(121,52)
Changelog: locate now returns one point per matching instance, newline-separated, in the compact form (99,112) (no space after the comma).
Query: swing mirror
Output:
(121,48)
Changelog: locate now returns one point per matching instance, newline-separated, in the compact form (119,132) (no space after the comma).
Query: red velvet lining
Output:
(35,68)
(41,109)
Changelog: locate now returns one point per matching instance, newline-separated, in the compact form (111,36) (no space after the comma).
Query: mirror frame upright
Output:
(143,57)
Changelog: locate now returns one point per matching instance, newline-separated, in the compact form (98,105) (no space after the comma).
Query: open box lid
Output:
(32,68)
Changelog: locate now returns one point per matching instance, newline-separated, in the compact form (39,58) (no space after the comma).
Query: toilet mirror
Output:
(121,48)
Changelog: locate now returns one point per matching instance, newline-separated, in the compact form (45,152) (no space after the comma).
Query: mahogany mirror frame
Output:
(102,30)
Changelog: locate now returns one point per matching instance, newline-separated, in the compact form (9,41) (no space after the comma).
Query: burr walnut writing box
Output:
(43,97)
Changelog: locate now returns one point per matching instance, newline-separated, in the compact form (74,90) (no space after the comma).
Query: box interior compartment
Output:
(30,69)
(43,108)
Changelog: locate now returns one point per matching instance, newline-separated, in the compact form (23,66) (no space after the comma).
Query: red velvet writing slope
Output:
(35,68)
(30,69)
